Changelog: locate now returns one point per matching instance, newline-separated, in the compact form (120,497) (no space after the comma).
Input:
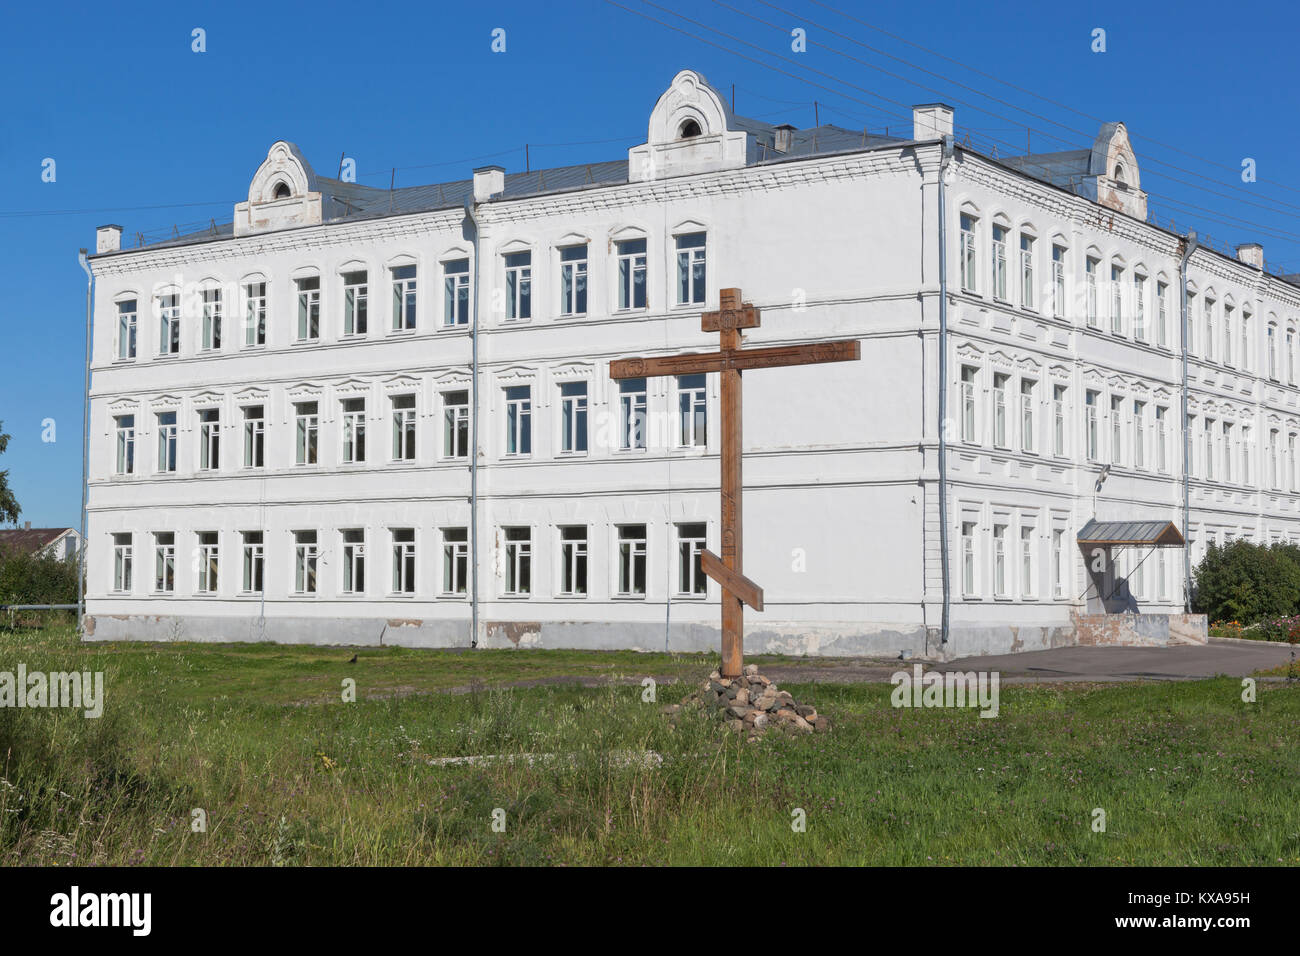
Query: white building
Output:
(283,410)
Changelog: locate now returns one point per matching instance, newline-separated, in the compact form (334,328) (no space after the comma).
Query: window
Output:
(209,562)
(690,268)
(164,562)
(631,560)
(403,298)
(307,427)
(1208,458)
(1028,403)
(1191,448)
(1090,424)
(126,326)
(1000,410)
(1090,287)
(355,302)
(455,292)
(403,427)
(1272,351)
(1228,323)
(691,541)
(254,562)
(1117,300)
(1139,434)
(1000,262)
(1291,463)
(519,420)
(1058,563)
(254,436)
(968,259)
(1027,271)
(1058,420)
(354,561)
(1245,340)
(1228,451)
(308,309)
(969,375)
(1207,313)
(254,314)
(122,561)
(519,560)
(692,411)
(1275,472)
(1027,588)
(968,558)
(632,413)
(1190,330)
(1162,315)
(166,441)
(573,560)
(1290,357)
(1000,583)
(1162,439)
(455,560)
(1116,429)
(573,280)
(631,274)
(1139,307)
(455,424)
(305,556)
(573,418)
(211,320)
(125,427)
(519,286)
(209,439)
(1162,576)
(169,330)
(403,560)
(1058,281)
(354,430)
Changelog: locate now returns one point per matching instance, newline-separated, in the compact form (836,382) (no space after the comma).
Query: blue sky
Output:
(135,119)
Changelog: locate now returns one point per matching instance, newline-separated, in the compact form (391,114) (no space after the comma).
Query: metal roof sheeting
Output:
(1159,534)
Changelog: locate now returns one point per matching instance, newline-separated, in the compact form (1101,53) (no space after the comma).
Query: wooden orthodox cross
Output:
(731,317)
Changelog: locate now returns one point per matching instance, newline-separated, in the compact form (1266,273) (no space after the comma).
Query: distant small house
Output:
(62,543)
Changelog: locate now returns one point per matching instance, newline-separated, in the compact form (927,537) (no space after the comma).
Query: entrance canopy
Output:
(1148,534)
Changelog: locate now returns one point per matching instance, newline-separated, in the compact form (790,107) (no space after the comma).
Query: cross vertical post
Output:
(729,361)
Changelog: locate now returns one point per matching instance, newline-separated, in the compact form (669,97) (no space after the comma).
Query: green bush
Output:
(1246,582)
(33,579)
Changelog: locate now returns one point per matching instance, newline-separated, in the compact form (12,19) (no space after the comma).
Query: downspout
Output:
(1189,246)
(85,448)
(471,209)
(945,158)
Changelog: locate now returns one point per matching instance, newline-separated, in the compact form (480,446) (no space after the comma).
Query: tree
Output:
(9,510)
(1247,582)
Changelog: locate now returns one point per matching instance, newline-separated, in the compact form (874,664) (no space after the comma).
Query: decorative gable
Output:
(690,132)
(282,194)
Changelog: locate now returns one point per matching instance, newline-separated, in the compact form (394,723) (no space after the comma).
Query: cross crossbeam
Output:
(732,316)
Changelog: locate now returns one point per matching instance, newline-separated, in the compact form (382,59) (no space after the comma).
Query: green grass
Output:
(259,738)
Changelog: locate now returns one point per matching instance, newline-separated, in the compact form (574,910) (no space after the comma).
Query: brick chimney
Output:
(1251,253)
(488,182)
(108,238)
(784,137)
(931,121)
(27,526)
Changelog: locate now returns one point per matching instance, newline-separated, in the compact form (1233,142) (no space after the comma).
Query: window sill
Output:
(400,595)
(562,596)
(629,597)
(515,597)
(124,361)
(259,347)
(690,597)
(452,596)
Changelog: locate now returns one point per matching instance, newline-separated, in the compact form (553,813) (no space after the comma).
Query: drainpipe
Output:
(85,448)
(945,158)
(1189,246)
(471,211)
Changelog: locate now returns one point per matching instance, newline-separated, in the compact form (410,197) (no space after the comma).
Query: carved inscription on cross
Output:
(730,361)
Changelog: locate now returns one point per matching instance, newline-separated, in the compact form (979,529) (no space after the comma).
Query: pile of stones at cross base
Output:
(752,704)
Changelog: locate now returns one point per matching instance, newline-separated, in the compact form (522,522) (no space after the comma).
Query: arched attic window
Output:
(1119,175)
(688,129)
(282,190)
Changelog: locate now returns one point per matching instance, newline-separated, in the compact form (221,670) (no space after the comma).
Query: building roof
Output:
(29,540)
(1156,534)
(345,201)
